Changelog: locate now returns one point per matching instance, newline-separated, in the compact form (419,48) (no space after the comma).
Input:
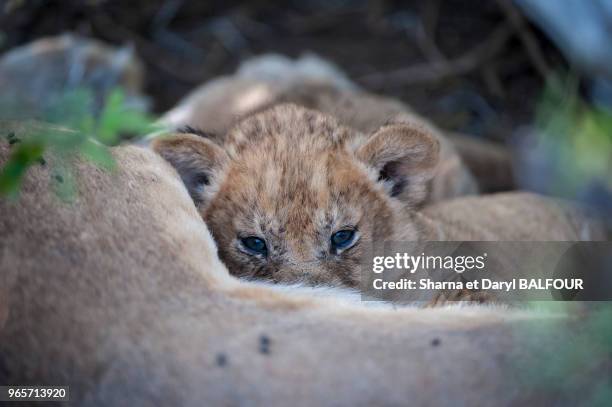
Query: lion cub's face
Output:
(291,196)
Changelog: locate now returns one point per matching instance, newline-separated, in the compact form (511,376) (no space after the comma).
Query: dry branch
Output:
(526,36)
(438,70)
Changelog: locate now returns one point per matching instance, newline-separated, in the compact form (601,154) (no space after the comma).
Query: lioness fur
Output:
(120,295)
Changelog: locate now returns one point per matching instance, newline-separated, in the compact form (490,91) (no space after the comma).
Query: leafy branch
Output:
(72,129)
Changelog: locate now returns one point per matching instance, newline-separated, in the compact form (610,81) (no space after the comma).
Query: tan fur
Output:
(511,216)
(293,177)
(490,162)
(218,105)
(120,296)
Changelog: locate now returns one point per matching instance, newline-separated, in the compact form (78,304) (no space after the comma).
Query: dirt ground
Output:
(464,64)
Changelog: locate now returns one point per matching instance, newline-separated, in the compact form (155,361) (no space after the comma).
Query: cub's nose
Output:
(303,252)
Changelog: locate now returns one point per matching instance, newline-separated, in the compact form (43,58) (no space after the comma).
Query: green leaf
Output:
(77,132)
(63,182)
(22,157)
(98,154)
(117,119)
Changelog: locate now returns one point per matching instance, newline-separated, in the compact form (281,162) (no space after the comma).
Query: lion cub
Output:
(290,195)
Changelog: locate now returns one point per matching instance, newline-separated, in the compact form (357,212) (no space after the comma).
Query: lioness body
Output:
(120,296)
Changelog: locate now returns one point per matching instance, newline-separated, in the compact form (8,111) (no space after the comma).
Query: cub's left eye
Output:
(343,239)
(255,245)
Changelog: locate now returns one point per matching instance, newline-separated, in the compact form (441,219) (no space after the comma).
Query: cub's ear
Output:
(198,161)
(405,157)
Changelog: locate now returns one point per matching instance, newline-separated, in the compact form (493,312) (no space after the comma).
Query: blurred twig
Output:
(491,78)
(426,32)
(321,21)
(526,36)
(179,68)
(435,71)
(167,38)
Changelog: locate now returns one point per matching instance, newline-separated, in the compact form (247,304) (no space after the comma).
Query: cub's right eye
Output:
(254,245)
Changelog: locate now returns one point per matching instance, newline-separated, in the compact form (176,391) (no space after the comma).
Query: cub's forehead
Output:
(293,185)
(290,150)
(291,162)
(294,173)
(286,129)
